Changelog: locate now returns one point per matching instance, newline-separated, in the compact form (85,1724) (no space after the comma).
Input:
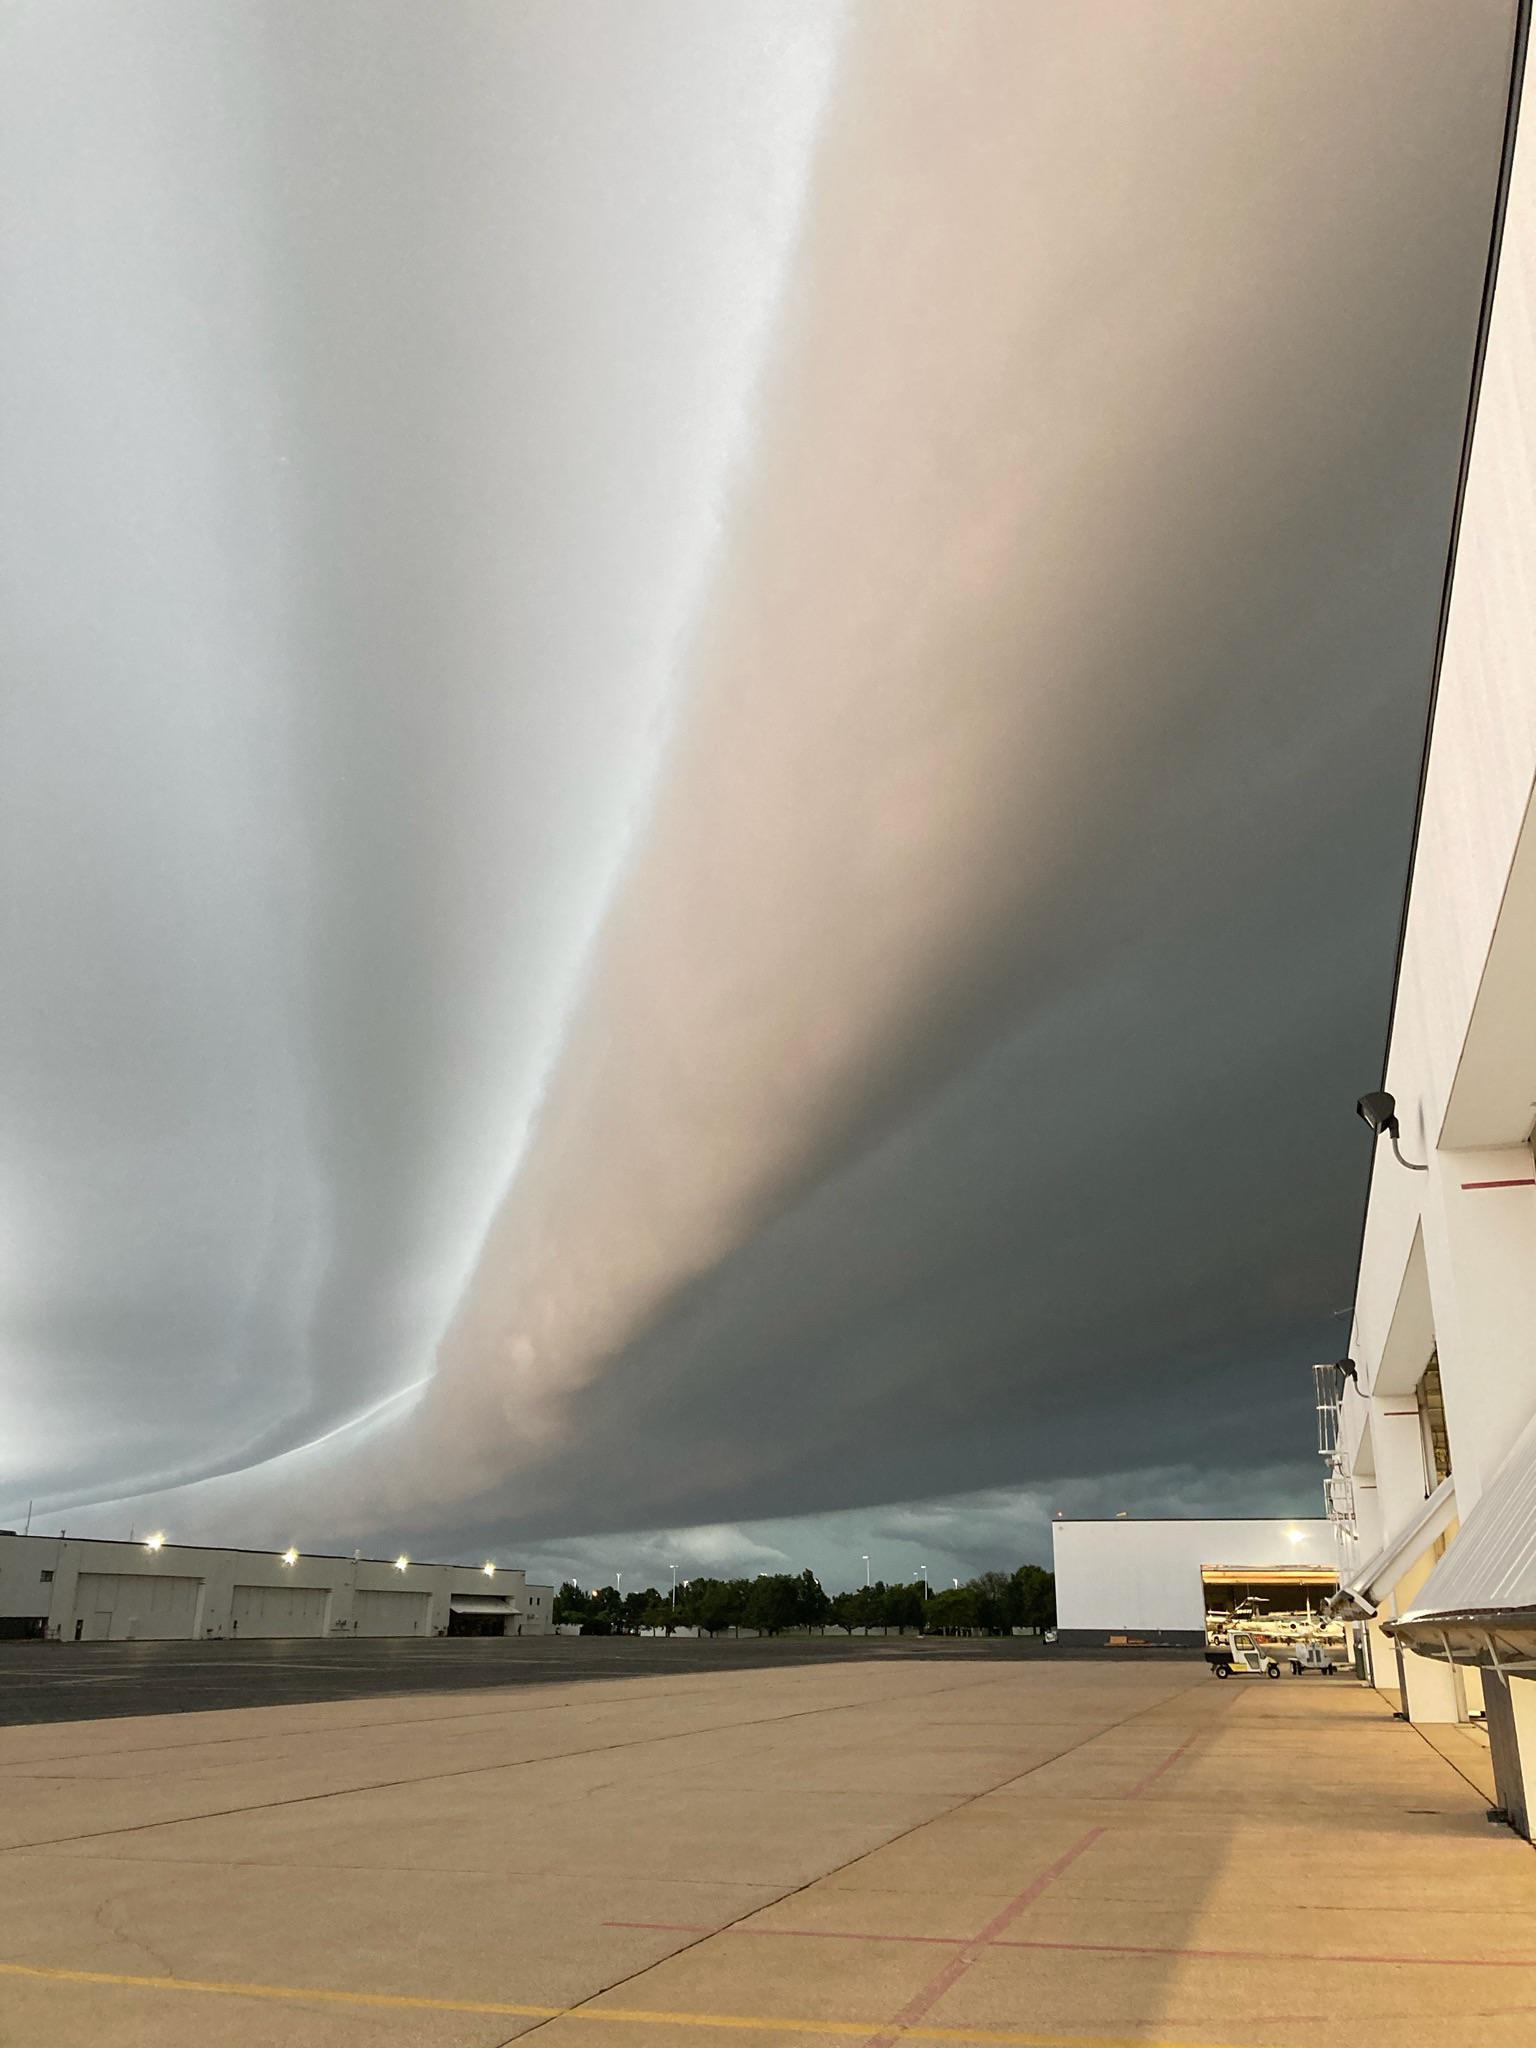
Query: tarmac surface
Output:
(874,1847)
(91,1681)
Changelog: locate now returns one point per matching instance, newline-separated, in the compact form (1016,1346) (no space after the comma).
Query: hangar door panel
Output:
(136,1606)
(278,1611)
(379,1613)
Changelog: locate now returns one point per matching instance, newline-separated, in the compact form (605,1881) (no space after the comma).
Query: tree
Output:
(960,1608)
(902,1607)
(869,1605)
(772,1603)
(993,1591)
(571,1603)
(718,1603)
(844,1610)
(602,1611)
(1033,1601)
(811,1604)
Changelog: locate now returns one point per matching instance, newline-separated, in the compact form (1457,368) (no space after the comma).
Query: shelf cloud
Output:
(712,741)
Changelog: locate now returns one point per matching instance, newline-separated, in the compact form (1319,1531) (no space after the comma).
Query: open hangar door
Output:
(1288,1597)
(136,1606)
(278,1611)
(482,1614)
(382,1611)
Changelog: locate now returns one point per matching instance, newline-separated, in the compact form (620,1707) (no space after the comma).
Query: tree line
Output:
(995,1603)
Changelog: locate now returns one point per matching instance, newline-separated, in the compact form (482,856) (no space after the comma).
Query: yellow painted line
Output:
(306,1991)
(613,2015)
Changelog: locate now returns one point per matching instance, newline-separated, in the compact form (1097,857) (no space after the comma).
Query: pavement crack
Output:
(808,1884)
(462,1771)
(115,1932)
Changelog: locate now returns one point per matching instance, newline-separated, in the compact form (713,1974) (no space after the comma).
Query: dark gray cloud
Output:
(789,687)
(955,1538)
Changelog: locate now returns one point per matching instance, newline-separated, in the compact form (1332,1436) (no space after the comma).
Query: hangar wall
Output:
(1142,1578)
(68,1589)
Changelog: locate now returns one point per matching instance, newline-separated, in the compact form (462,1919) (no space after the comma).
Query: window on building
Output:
(46,1577)
(1432,1430)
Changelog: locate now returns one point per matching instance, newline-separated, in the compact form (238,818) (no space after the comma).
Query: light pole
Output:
(673,1570)
(924,1570)
(866,1571)
(956,1584)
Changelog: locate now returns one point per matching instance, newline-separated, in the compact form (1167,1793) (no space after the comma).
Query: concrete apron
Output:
(936,1852)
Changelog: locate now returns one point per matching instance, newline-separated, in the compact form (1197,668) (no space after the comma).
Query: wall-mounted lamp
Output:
(290,1556)
(1379,1110)
(155,1542)
(489,1569)
(401,1562)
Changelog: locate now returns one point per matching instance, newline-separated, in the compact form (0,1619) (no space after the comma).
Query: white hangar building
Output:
(68,1589)
(1157,1581)
(1429,1424)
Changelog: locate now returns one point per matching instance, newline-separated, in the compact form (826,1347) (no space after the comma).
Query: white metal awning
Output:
(1361,1592)
(481,1603)
(1478,1605)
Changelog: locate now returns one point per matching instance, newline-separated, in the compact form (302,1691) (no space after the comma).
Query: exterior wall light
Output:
(489,1569)
(289,1556)
(401,1562)
(155,1542)
(1379,1111)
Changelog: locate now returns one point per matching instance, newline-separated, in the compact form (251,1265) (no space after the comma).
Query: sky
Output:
(707,755)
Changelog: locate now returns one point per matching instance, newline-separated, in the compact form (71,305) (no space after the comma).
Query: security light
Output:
(1379,1111)
(489,1569)
(155,1542)
(401,1562)
(290,1555)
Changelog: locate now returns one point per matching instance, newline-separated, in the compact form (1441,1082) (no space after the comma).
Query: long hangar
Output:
(1172,1581)
(68,1589)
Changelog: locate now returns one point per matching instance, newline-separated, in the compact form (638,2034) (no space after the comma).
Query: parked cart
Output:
(1243,1653)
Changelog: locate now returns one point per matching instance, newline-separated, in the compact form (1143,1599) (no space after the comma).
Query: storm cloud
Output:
(711,739)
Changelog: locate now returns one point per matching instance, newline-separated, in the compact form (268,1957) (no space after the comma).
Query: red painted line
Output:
(1528,1182)
(1096,1948)
(1167,1764)
(923,2001)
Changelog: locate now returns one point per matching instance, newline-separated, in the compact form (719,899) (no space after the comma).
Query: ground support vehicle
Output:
(1243,1654)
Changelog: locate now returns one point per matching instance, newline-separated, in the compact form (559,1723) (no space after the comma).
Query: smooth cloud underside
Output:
(723,840)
